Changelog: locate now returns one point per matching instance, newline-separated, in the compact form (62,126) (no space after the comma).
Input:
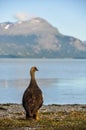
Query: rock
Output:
(17,111)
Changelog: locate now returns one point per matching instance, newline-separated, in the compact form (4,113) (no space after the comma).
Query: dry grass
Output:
(73,120)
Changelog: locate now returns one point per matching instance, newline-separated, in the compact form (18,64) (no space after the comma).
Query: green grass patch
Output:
(48,121)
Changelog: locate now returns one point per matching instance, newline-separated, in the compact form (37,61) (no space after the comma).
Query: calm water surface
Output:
(62,81)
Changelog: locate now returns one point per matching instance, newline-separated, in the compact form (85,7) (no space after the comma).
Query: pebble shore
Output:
(17,111)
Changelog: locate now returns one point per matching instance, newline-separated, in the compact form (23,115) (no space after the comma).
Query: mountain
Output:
(36,38)
(84,42)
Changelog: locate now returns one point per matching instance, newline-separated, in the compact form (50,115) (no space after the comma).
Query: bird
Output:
(32,98)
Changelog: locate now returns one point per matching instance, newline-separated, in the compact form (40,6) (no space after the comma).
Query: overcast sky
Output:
(69,16)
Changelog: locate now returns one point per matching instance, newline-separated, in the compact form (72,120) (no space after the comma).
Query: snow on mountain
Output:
(7,26)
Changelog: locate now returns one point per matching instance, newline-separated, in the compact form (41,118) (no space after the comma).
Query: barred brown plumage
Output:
(32,97)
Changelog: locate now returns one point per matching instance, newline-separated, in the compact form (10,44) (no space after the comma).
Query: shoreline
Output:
(17,111)
(10,109)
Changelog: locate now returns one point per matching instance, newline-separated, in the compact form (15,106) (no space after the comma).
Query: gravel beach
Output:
(16,110)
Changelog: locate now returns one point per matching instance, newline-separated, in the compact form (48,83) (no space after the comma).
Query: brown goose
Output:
(32,98)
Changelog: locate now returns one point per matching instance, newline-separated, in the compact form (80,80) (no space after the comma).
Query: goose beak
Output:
(37,69)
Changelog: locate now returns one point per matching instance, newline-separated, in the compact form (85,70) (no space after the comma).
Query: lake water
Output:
(63,81)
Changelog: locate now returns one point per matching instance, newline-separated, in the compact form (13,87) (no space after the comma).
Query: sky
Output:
(69,16)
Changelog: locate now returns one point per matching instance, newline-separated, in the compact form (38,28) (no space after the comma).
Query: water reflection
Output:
(55,91)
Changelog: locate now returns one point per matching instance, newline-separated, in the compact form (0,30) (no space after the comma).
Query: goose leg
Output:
(35,116)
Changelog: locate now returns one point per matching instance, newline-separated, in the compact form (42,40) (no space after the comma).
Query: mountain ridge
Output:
(36,38)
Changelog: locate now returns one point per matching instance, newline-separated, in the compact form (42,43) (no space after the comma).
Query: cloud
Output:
(21,16)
